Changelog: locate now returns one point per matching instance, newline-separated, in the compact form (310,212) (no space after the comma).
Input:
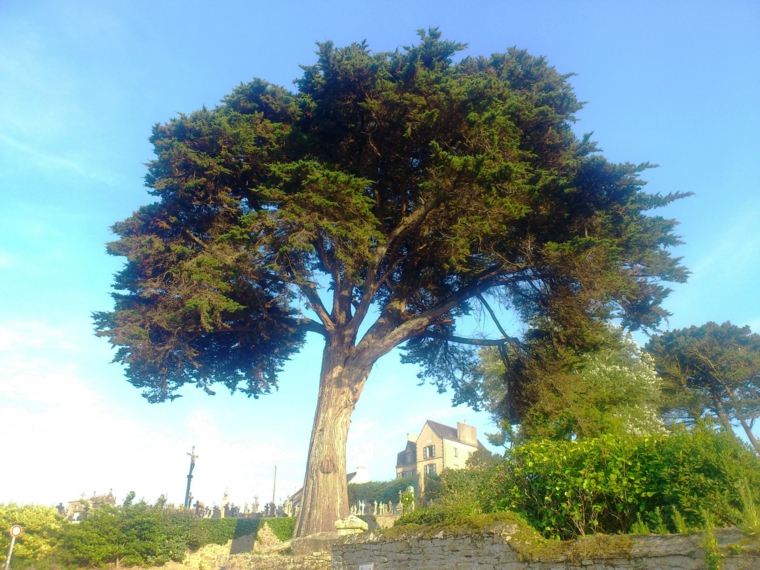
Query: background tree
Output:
(379,491)
(711,370)
(556,391)
(392,194)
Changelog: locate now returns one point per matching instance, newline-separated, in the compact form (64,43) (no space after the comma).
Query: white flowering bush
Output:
(609,391)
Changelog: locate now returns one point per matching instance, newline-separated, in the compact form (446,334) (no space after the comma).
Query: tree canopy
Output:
(711,370)
(390,195)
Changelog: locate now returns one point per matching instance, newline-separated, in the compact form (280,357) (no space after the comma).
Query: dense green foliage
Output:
(463,493)
(282,527)
(546,388)
(146,535)
(217,531)
(609,484)
(132,535)
(711,371)
(379,491)
(606,484)
(42,531)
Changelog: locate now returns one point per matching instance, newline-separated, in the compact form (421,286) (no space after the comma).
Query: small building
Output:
(436,448)
(77,510)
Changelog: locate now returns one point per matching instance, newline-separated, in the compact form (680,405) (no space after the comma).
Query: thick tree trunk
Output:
(325,490)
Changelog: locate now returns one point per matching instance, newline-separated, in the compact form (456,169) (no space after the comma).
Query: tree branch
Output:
(310,325)
(470,341)
(316,304)
(391,329)
(372,283)
(493,315)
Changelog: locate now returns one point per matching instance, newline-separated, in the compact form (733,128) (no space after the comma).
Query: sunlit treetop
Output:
(407,189)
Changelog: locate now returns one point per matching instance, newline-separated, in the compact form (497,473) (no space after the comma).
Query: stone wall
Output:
(502,549)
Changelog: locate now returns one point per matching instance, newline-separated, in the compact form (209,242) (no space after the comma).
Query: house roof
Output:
(450,433)
(408,456)
(442,431)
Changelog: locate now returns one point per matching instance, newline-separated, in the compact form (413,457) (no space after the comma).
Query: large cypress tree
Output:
(388,197)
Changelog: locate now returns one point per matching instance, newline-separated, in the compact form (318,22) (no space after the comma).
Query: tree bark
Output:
(723,419)
(745,426)
(750,435)
(325,489)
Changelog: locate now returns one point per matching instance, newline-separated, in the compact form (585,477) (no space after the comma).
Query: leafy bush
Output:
(245,527)
(463,494)
(132,535)
(41,536)
(608,484)
(140,535)
(210,531)
(282,527)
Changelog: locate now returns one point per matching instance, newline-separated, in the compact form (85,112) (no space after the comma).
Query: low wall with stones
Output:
(502,548)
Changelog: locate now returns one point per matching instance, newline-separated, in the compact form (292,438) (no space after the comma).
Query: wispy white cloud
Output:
(735,250)
(17,337)
(722,273)
(48,160)
(46,119)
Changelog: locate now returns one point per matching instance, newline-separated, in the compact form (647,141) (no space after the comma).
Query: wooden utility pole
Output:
(193,457)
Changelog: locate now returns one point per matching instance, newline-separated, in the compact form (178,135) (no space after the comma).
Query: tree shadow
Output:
(245,535)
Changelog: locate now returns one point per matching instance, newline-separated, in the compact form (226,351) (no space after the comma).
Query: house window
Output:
(428,452)
(430,469)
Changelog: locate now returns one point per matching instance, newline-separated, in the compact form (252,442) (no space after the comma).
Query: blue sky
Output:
(81,83)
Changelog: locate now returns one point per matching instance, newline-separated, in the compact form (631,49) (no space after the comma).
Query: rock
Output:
(350,525)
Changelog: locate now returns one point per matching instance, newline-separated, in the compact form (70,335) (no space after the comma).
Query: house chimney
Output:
(410,437)
(467,434)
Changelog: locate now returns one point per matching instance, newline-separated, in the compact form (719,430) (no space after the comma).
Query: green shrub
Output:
(133,535)
(611,484)
(463,494)
(748,517)
(435,514)
(245,527)
(608,484)
(41,536)
(282,527)
(210,531)
(144,535)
